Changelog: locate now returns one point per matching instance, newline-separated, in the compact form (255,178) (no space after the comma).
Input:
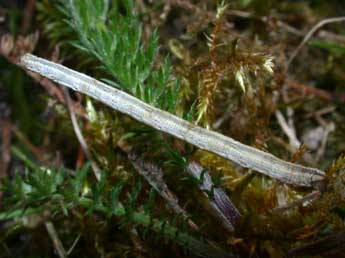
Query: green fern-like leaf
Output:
(114,38)
(44,189)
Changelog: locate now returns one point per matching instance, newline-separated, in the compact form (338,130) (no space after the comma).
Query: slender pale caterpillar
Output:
(226,147)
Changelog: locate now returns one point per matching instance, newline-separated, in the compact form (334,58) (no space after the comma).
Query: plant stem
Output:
(56,240)
(22,156)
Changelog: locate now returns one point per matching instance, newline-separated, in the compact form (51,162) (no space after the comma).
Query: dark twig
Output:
(154,176)
(29,9)
(331,243)
(5,157)
(219,201)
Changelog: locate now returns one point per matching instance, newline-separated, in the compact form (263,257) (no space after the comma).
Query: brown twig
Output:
(5,158)
(56,92)
(306,89)
(29,9)
(79,135)
(265,19)
(5,146)
(56,240)
(189,6)
(308,198)
(154,176)
(12,49)
(310,34)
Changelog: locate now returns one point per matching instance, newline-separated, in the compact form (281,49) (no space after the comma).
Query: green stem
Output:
(22,156)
